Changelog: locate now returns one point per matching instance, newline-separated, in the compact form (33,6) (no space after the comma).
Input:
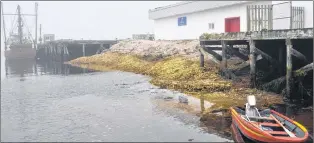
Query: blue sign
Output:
(181,21)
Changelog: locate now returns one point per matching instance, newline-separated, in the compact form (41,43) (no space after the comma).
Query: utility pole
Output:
(5,34)
(20,30)
(36,16)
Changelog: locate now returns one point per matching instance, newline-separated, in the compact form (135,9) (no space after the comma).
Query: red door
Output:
(232,24)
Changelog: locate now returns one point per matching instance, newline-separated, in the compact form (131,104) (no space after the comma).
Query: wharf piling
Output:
(264,51)
(65,50)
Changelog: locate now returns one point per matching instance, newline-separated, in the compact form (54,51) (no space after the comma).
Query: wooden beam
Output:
(211,53)
(223,64)
(266,56)
(201,59)
(214,48)
(304,69)
(289,79)
(295,73)
(237,53)
(252,64)
(298,55)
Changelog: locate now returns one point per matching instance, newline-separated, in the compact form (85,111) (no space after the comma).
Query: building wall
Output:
(282,9)
(197,23)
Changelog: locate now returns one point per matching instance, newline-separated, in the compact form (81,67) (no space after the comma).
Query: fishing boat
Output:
(17,44)
(266,125)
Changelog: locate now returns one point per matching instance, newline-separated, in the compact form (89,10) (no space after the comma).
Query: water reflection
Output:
(29,67)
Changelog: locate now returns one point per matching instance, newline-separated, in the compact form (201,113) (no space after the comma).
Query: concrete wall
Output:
(197,23)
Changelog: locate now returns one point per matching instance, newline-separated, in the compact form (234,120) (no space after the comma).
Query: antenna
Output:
(36,16)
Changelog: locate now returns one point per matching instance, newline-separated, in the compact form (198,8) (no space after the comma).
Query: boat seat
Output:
(270,124)
(277,132)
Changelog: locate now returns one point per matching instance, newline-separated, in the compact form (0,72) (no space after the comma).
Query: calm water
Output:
(56,102)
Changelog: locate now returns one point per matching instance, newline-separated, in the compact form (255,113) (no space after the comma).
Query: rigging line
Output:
(24,21)
(12,28)
(13,22)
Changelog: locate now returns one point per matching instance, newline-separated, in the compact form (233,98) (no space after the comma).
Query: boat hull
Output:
(24,51)
(256,134)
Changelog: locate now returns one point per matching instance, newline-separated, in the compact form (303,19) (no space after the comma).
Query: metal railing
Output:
(275,16)
(259,17)
(297,17)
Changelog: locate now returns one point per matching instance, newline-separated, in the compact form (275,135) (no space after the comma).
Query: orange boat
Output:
(267,125)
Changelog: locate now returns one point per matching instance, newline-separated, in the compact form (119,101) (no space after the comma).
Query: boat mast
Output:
(20,26)
(36,14)
(5,36)
(40,39)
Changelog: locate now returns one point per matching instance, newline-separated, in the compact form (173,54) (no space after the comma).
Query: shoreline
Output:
(180,74)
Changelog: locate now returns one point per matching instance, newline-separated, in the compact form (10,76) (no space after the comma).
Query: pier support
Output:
(83,50)
(223,64)
(289,79)
(252,64)
(201,59)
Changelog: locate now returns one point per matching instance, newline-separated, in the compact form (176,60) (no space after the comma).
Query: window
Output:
(211,26)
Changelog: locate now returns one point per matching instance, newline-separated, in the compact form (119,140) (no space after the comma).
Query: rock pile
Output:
(186,48)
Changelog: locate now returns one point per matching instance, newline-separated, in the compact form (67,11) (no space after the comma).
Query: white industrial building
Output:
(188,20)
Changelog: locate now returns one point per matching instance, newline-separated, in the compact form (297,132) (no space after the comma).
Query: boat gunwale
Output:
(249,127)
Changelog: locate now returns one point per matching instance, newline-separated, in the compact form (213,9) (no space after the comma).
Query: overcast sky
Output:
(88,20)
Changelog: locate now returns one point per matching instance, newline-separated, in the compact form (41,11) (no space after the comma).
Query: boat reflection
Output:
(30,67)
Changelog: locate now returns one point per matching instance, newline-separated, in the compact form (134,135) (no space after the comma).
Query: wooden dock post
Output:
(83,50)
(201,59)
(289,79)
(223,64)
(62,53)
(252,64)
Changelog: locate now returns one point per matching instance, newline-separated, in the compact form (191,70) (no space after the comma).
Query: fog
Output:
(96,20)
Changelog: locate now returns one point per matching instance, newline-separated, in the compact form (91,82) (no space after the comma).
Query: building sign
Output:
(181,21)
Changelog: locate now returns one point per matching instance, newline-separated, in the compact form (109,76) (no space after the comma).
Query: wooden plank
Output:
(270,124)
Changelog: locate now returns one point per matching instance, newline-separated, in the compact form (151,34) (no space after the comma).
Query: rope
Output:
(13,27)
(30,34)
